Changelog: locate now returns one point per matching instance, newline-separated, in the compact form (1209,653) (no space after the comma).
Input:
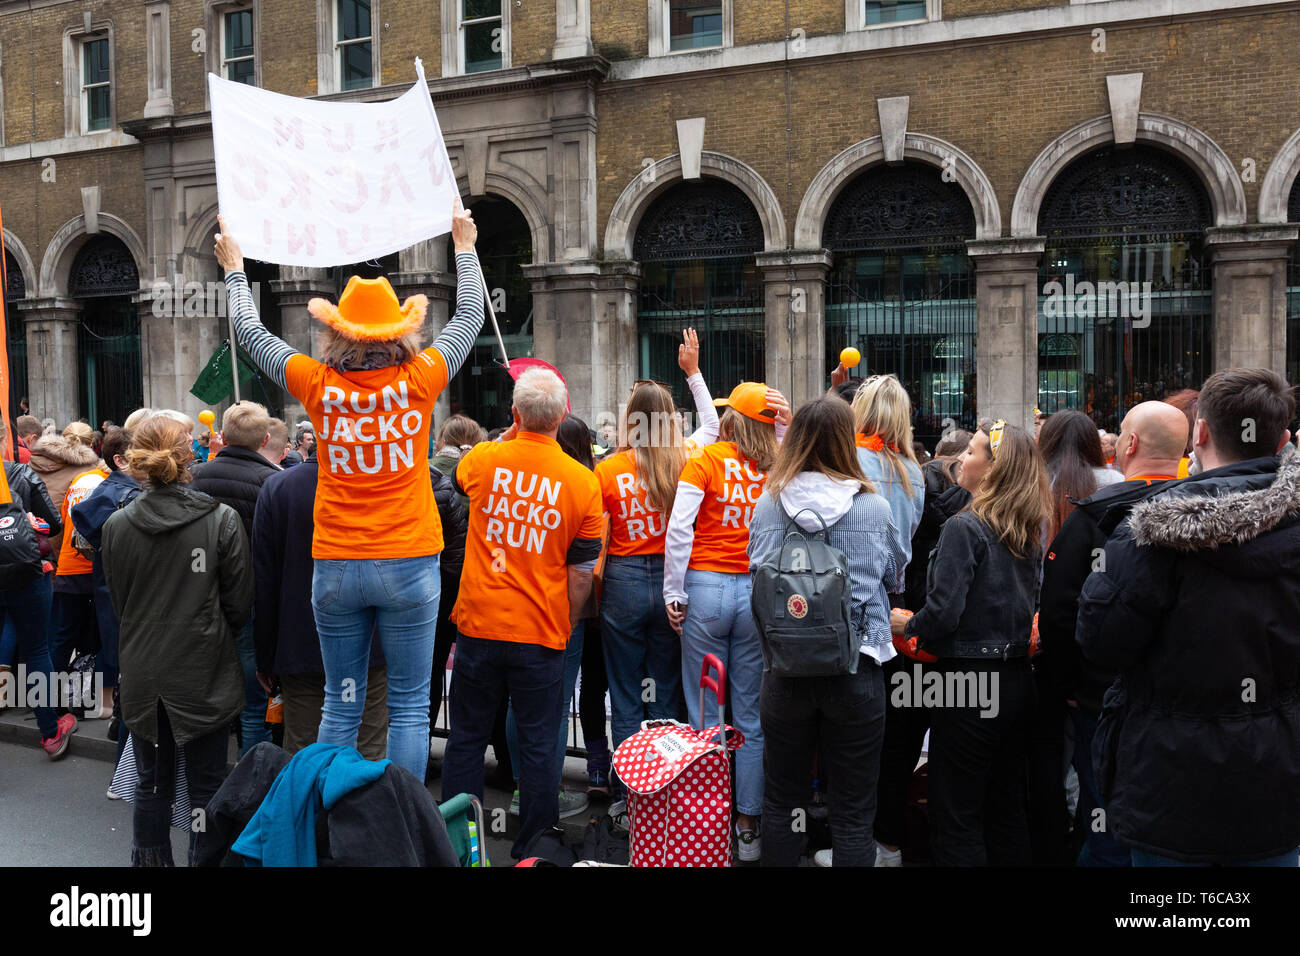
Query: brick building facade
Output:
(1009,203)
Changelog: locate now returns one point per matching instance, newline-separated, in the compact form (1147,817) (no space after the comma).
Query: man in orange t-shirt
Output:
(73,619)
(535,524)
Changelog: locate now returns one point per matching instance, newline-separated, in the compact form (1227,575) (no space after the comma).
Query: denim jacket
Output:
(905,507)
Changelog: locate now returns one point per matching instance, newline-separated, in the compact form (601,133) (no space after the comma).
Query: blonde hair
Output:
(176,417)
(79,433)
(820,439)
(656,442)
(881,407)
(136,417)
(345,354)
(247,424)
(160,452)
(754,440)
(278,429)
(1015,497)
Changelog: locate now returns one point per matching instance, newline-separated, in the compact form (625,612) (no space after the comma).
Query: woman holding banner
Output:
(377,533)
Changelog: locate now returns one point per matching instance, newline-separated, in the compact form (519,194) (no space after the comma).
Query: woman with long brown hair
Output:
(817,482)
(181,582)
(706,576)
(977,619)
(1076,466)
(639,485)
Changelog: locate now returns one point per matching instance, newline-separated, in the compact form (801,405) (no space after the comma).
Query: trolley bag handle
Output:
(719,687)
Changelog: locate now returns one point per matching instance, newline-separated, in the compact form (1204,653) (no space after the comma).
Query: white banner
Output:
(309,183)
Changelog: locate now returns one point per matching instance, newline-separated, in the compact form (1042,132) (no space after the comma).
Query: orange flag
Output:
(4,352)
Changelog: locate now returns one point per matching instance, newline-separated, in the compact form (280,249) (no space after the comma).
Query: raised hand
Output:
(688,353)
(463,231)
(227,249)
(776,401)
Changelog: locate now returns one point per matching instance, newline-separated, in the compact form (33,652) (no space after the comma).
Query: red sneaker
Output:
(56,746)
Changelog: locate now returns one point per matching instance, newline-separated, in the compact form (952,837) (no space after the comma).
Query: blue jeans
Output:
(8,643)
(485,672)
(572,661)
(640,644)
(28,608)
(252,719)
(1100,849)
(1291,858)
(399,596)
(719,621)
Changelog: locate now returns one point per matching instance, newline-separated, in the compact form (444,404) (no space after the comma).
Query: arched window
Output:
(483,388)
(104,277)
(16,334)
(1293,293)
(901,289)
(1125,276)
(696,245)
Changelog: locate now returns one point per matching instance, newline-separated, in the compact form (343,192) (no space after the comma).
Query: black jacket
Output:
(26,486)
(455,521)
(1070,559)
(981,598)
(943,499)
(234,478)
(181,583)
(284,627)
(393,821)
(1198,610)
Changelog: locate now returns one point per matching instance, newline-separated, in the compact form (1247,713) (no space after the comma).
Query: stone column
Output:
(1250,295)
(572,29)
(51,327)
(1006,347)
(158,58)
(297,285)
(584,323)
(423,269)
(794,306)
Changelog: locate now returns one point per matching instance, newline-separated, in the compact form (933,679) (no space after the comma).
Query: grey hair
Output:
(540,399)
(178,416)
(137,416)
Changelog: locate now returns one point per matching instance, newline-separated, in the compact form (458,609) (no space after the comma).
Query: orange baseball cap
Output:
(750,399)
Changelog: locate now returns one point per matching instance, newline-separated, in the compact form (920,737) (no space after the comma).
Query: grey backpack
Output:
(800,601)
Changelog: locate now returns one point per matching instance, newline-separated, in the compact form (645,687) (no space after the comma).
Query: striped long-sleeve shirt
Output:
(372,428)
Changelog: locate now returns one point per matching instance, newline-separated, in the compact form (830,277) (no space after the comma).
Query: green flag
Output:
(215,383)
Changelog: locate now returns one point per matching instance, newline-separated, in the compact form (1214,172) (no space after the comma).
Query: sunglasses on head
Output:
(995,436)
(649,381)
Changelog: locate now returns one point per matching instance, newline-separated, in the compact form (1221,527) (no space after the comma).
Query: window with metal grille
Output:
(1125,289)
(354,45)
(696,245)
(902,291)
(109,372)
(96,87)
(237,52)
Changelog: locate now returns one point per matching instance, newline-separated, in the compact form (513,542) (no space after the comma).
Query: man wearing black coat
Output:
(284,628)
(234,477)
(1196,608)
(1151,441)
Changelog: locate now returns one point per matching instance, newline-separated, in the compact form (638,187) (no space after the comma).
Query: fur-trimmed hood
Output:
(52,452)
(1194,518)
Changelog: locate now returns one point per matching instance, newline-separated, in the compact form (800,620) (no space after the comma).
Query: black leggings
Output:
(591,693)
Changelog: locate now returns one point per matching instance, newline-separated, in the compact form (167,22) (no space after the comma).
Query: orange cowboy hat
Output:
(368,311)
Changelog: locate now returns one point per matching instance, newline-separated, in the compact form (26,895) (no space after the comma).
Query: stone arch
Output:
(526,200)
(1189,144)
(198,263)
(72,235)
(1279,180)
(24,259)
(845,167)
(653,180)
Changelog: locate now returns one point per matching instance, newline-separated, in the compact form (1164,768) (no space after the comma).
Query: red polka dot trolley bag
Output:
(678,783)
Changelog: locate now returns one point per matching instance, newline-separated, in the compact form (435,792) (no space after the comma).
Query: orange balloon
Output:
(850,357)
(206,417)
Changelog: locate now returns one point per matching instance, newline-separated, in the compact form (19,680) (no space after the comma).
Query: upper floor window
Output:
(693,24)
(894,11)
(481,35)
(96,84)
(355,45)
(237,52)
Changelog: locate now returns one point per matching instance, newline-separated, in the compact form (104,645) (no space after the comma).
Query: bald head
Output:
(1152,437)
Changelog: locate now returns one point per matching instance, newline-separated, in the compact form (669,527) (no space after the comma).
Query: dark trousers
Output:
(1049,818)
(205,769)
(28,607)
(977,772)
(844,717)
(485,672)
(905,729)
(303,696)
(591,693)
(75,625)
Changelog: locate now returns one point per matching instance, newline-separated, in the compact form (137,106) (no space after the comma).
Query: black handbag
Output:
(20,554)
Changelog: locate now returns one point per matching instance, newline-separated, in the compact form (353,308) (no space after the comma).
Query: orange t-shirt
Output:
(732,487)
(70,559)
(528,501)
(634,527)
(374,498)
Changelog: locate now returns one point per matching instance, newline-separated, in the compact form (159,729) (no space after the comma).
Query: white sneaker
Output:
(822,858)
(888,857)
(748,845)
